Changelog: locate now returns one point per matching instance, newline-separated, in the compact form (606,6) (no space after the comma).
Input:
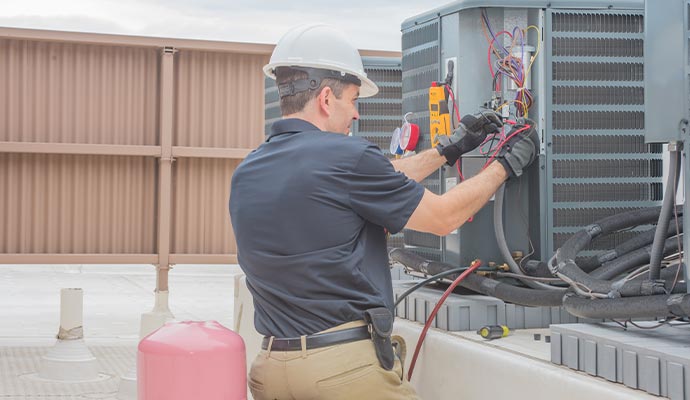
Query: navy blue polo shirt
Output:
(309,210)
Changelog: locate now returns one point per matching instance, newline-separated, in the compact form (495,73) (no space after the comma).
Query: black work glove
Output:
(469,135)
(520,150)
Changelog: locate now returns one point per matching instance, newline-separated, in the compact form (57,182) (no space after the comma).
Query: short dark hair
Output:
(296,102)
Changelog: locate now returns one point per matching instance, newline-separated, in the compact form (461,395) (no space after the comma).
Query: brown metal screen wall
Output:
(121,149)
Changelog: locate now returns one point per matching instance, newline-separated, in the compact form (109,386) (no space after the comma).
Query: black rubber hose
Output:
(566,267)
(540,268)
(537,268)
(631,307)
(605,226)
(664,216)
(643,239)
(427,281)
(610,288)
(481,284)
(631,260)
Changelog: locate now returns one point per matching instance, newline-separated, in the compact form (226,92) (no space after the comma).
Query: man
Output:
(310,208)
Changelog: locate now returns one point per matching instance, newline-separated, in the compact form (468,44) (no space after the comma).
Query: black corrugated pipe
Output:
(637,242)
(537,268)
(605,226)
(481,284)
(632,307)
(631,260)
(666,212)
(566,268)
(541,269)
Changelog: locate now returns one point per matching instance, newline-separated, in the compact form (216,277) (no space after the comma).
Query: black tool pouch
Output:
(380,322)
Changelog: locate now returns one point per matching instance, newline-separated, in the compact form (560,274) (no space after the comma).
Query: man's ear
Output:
(325,99)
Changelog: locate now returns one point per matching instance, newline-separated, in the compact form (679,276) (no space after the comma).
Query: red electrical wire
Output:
(475,264)
(457,115)
(503,142)
(455,104)
(488,56)
(462,178)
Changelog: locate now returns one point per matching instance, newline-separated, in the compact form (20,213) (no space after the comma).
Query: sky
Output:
(370,24)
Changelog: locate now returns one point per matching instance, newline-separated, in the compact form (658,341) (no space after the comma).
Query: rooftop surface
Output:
(115,296)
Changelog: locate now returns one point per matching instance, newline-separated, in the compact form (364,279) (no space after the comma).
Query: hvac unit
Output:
(584,72)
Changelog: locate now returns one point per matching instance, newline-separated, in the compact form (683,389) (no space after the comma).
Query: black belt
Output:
(318,339)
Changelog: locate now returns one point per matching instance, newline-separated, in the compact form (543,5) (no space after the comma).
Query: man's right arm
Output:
(443,214)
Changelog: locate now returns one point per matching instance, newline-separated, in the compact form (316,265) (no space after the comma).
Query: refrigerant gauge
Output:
(395,143)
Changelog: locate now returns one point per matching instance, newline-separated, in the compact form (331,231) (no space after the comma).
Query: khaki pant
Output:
(344,371)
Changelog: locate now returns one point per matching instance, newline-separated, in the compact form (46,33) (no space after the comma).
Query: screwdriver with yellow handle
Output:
(491,332)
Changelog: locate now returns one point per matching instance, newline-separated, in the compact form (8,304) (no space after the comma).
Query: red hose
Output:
(475,264)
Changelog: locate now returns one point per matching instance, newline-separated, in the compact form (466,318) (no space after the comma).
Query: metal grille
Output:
(577,120)
(382,142)
(607,168)
(381,114)
(271,95)
(416,102)
(579,217)
(598,71)
(590,95)
(420,58)
(271,103)
(429,254)
(421,35)
(604,243)
(273,113)
(421,239)
(601,144)
(420,67)
(378,125)
(597,22)
(420,81)
(595,123)
(381,75)
(597,47)
(396,241)
(386,109)
(390,92)
(613,192)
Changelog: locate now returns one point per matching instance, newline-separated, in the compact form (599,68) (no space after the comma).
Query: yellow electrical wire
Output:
(524,108)
(534,57)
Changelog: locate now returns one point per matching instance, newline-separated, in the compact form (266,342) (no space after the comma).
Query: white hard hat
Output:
(323,47)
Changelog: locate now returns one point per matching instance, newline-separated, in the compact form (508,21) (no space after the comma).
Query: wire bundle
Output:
(509,66)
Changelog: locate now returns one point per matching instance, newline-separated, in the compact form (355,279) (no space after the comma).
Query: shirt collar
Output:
(290,125)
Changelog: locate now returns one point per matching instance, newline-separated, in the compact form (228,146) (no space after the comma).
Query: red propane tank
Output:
(192,360)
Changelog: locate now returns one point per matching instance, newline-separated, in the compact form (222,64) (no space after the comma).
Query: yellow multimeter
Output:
(439,115)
